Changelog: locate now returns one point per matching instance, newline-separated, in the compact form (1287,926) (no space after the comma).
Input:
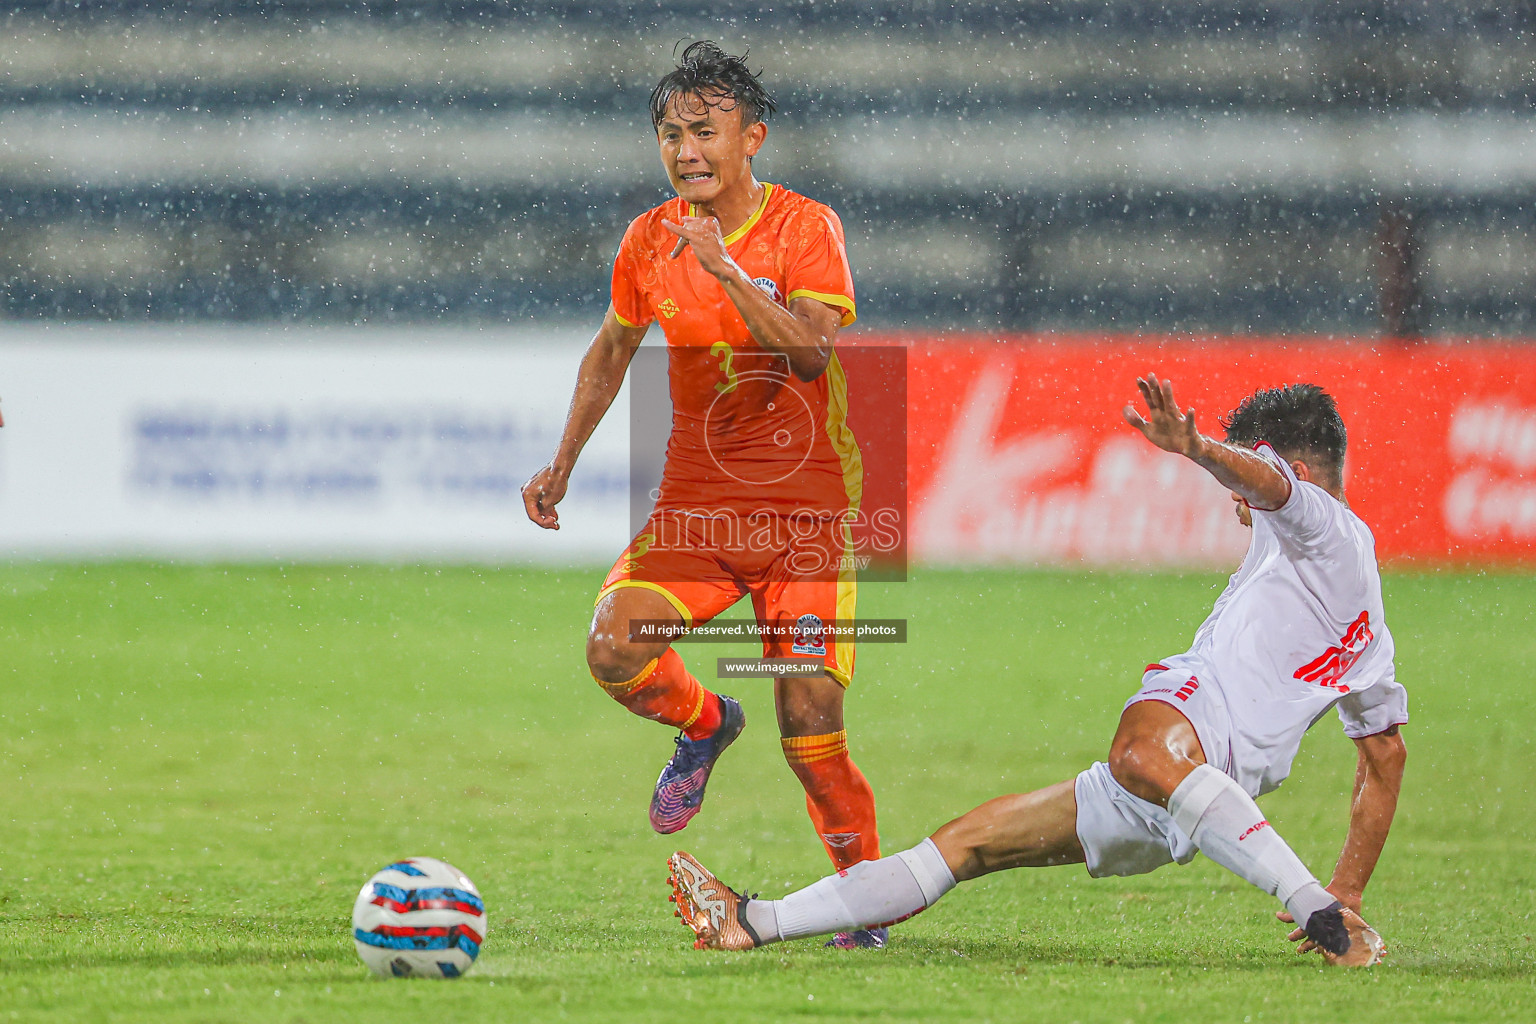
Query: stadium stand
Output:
(1311,166)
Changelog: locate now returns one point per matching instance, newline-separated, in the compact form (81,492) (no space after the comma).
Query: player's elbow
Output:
(812,363)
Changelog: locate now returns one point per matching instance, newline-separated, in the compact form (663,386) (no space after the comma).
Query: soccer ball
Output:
(418,918)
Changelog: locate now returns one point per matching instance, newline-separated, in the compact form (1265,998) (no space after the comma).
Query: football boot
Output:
(861,938)
(1343,937)
(679,791)
(708,906)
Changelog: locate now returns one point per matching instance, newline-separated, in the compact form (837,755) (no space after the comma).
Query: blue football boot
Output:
(680,789)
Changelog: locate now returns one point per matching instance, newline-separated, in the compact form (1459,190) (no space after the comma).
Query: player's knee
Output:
(611,659)
(963,849)
(1140,768)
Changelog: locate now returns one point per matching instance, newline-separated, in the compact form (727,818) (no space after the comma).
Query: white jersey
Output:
(1298,630)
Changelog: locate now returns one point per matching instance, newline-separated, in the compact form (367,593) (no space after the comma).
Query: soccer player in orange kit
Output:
(750,283)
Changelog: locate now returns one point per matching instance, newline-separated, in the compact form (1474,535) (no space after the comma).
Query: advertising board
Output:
(300,443)
(1018,451)
(364,443)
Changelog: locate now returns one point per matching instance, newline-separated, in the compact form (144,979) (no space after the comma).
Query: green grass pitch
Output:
(199,766)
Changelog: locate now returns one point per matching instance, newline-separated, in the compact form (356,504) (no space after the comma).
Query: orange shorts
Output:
(799,575)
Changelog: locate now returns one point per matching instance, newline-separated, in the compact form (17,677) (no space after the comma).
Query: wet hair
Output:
(1300,421)
(706,71)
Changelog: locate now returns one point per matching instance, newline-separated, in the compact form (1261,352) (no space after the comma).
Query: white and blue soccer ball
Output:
(419,918)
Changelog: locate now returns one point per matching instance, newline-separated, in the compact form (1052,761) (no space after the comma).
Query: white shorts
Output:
(1201,703)
(1123,834)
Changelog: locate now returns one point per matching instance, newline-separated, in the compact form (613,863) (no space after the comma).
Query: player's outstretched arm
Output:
(803,333)
(1379,764)
(598,381)
(1238,469)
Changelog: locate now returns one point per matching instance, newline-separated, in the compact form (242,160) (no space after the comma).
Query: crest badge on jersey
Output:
(770,288)
(808,638)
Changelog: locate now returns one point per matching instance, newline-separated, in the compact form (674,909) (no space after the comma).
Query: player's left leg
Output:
(799,612)
(837,796)
(805,597)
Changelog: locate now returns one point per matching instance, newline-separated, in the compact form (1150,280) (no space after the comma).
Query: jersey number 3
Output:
(723,350)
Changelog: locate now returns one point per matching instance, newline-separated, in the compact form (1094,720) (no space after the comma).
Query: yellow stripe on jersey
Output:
(852,462)
(842,302)
(621,320)
(757,215)
(841,435)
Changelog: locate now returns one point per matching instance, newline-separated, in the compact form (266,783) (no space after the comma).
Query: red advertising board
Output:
(1017,450)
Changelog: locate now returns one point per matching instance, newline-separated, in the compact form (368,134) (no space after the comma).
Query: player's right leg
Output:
(649,678)
(631,669)
(1032,829)
(1026,830)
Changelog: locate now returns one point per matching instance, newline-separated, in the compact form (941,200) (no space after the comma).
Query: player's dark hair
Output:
(1300,421)
(706,71)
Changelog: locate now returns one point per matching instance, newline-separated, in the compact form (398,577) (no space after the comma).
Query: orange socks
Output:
(841,804)
(664,691)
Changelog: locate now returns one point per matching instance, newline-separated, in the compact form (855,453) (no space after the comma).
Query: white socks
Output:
(1211,808)
(867,895)
(1229,828)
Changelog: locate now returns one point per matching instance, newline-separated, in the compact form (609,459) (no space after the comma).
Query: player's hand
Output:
(541,493)
(703,235)
(1351,901)
(1164,425)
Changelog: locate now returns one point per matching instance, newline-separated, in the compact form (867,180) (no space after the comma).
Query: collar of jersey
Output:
(741,232)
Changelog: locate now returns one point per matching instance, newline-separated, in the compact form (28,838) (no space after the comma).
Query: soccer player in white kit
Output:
(1298,630)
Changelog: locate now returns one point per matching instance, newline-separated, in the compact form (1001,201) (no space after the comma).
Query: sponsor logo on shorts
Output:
(1329,667)
(808,638)
(1261,825)
(1184,692)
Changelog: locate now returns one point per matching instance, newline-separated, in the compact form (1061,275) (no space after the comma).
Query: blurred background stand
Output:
(1398,254)
(1034,166)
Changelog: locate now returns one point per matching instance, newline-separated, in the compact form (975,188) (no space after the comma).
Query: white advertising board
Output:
(298,443)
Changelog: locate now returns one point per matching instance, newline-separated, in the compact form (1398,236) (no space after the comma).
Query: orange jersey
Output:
(747,435)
